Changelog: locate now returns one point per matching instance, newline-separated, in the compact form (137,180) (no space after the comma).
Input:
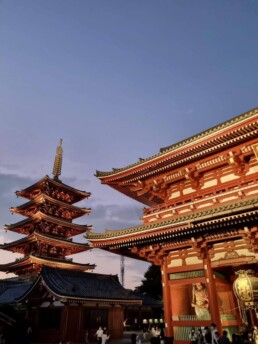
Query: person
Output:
(29,334)
(236,339)
(99,334)
(153,331)
(133,338)
(224,338)
(104,337)
(193,336)
(157,334)
(243,332)
(200,301)
(200,336)
(144,334)
(207,335)
(213,331)
(162,336)
(216,337)
(86,336)
(138,339)
(255,335)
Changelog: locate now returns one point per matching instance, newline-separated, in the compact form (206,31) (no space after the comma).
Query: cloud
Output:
(9,183)
(113,216)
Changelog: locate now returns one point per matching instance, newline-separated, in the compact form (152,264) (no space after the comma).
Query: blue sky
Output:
(117,80)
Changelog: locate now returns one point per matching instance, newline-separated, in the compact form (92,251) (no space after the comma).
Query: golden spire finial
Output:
(58,161)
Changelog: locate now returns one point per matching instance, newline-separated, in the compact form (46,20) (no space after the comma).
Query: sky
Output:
(117,80)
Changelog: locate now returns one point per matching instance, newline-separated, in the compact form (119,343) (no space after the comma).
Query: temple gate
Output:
(199,223)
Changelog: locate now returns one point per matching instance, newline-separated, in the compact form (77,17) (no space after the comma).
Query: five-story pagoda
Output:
(49,226)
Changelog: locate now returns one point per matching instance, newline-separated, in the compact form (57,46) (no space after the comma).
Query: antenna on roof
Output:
(58,161)
(122,269)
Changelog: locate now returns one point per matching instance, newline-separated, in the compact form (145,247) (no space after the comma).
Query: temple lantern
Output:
(246,288)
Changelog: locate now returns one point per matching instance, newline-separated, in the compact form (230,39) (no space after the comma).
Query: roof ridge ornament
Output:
(58,162)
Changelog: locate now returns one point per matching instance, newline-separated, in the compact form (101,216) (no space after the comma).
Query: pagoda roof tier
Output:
(224,137)
(69,195)
(27,226)
(68,245)
(30,261)
(210,222)
(31,207)
(77,286)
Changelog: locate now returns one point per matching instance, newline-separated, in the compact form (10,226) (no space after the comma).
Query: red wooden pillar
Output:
(212,292)
(115,322)
(64,324)
(167,298)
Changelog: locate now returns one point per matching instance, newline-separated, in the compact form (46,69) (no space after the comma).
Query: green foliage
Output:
(151,284)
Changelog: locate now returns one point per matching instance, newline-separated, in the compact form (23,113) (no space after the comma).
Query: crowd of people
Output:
(208,335)
(211,335)
(203,335)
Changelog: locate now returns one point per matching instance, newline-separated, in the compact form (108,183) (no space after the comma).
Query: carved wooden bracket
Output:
(237,160)
(153,254)
(155,188)
(200,247)
(194,177)
(250,236)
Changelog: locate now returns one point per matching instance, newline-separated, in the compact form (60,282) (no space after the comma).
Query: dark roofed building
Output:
(86,286)
(63,304)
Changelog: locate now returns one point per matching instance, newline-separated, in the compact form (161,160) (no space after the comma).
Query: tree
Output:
(151,284)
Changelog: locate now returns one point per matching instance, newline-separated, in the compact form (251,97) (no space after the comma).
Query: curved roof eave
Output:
(183,221)
(44,237)
(179,145)
(58,183)
(39,215)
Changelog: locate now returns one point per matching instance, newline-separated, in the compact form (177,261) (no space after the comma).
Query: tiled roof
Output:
(36,236)
(183,221)
(11,289)
(205,134)
(57,183)
(42,261)
(71,285)
(85,285)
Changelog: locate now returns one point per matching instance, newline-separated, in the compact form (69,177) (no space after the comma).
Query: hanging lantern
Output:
(246,287)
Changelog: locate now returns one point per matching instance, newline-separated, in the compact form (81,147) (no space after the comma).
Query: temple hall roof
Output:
(70,285)
(84,285)
(12,289)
